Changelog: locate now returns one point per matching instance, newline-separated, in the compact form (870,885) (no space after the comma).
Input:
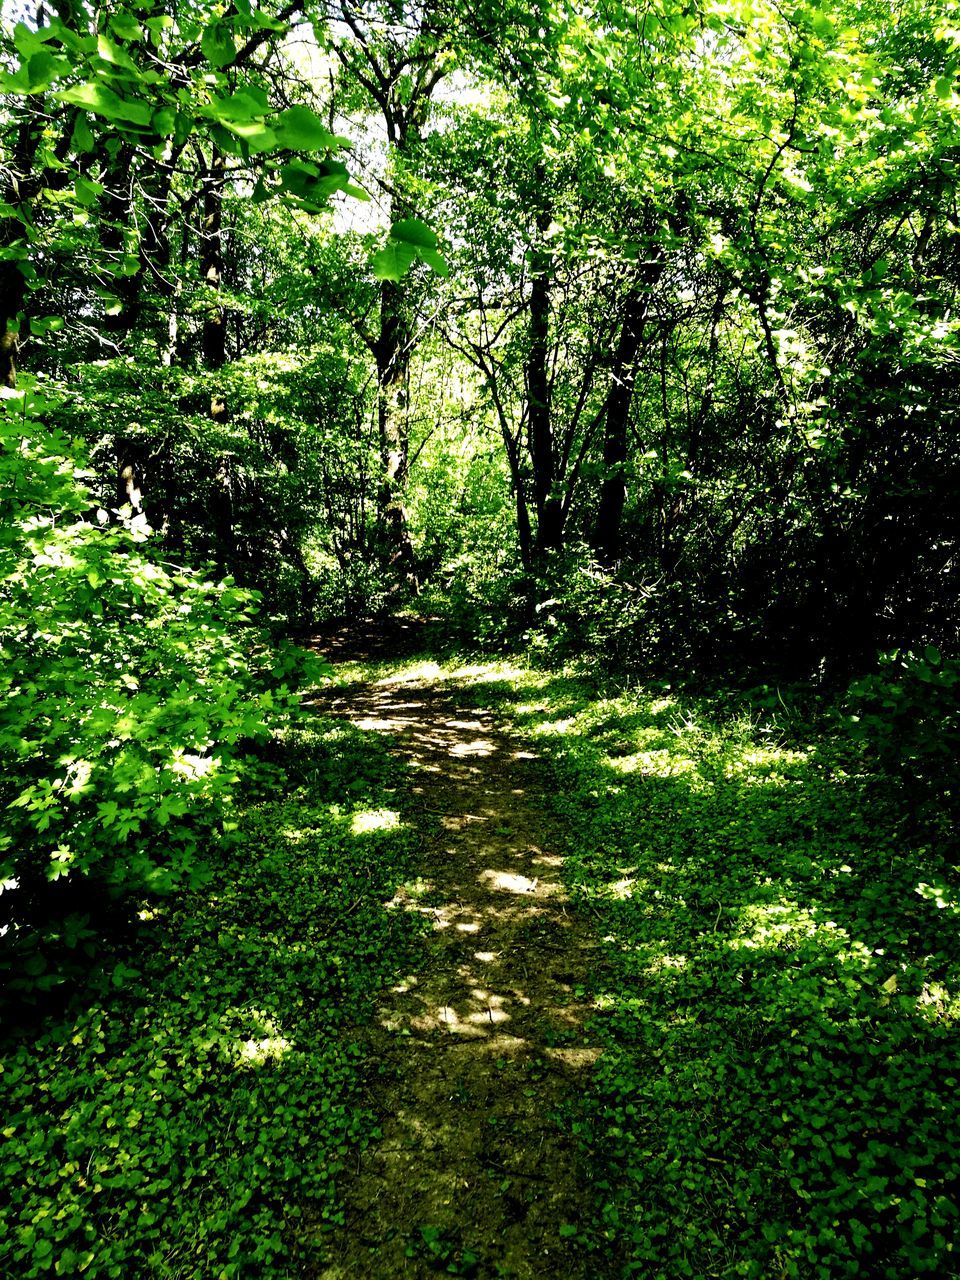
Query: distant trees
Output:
(697,280)
(392,59)
(742,417)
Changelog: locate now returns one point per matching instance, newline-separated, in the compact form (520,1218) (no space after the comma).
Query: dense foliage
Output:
(619,335)
(710,365)
(129,690)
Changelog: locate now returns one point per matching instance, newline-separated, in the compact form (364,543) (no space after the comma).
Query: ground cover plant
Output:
(189,1110)
(777,1095)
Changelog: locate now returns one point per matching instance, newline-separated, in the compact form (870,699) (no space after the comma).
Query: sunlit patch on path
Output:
(480,1048)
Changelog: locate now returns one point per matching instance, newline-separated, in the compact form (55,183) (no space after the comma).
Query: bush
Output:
(125,697)
(908,715)
(254,490)
(587,611)
(484,603)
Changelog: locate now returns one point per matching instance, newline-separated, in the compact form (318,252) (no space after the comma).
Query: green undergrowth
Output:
(778,1096)
(188,1112)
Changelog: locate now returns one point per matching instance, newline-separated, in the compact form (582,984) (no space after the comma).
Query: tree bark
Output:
(392,350)
(214,346)
(547,504)
(608,530)
(524,532)
(20,187)
(211,268)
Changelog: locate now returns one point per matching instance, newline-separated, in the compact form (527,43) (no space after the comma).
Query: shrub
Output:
(591,612)
(908,715)
(126,692)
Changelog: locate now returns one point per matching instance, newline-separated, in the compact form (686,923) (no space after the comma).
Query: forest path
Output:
(473,1175)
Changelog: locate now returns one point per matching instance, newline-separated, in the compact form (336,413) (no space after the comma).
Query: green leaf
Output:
(43,68)
(46,324)
(434,260)
(259,21)
(298,178)
(255,134)
(27,41)
(18,83)
(314,183)
(218,46)
(301,129)
(114,55)
(394,260)
(163,122)
(82,136)
(241,107)
(126,27)
(413,231)
(821,23)
(104,102)
(122,973)
(87,192)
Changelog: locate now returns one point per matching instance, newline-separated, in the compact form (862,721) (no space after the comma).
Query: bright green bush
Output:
(127,688)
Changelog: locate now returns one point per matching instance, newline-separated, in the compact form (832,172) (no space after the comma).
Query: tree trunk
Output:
(211,269)
(214,343)
(376,61)
(394,349)
(547,504)
(393,368)
(524,532)
(18,189)
(131,290)
(608,531)
(13,291)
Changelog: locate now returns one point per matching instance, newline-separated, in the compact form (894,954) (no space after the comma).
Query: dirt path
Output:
(473,1176)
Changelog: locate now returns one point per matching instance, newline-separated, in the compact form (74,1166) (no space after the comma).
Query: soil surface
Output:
(481,1049)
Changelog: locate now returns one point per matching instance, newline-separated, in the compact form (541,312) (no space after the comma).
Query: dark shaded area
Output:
(381,638)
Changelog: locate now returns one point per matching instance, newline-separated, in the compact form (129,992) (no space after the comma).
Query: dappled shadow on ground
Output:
(778,989)
(481,1047)
(385,637)
(201,1093)
(777,1092)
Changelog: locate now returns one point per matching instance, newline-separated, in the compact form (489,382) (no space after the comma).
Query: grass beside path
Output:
(777,1002)
(778,1096)
(188,1112)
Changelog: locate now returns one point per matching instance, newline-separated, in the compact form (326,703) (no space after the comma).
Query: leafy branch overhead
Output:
(410,241)
(151,85)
